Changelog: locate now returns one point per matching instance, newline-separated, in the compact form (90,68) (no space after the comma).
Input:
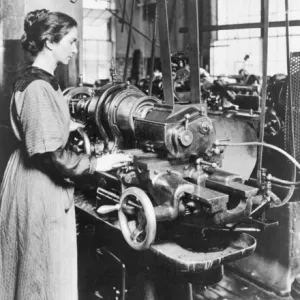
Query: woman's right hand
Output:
(75,125)
(112,161)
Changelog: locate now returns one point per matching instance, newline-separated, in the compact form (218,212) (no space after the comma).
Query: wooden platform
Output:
(97,278)
(94,283)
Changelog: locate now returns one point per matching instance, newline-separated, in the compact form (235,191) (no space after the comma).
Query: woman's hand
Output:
(112,161)
(74,125)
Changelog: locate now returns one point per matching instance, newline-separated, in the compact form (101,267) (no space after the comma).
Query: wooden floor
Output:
(230,288)
(233,287)
(94,284)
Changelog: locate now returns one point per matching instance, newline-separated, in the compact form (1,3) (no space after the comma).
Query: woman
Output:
(38,255)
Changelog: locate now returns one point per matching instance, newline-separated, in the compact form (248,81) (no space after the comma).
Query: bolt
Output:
(204,127)
(202,110)
(217,151)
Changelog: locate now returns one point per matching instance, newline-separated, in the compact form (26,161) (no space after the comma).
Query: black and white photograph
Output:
(149,149)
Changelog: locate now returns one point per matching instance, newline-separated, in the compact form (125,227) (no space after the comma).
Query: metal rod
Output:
(153,53)
(134,204)
(264,88)
(241,26)
(128,41)
(190,291)
(123,15)
(133,28)
(235,229)
(123,269)
(121,20)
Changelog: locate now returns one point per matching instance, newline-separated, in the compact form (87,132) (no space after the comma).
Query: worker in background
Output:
(38,251)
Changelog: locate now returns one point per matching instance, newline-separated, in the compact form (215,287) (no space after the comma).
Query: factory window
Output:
(229,56)
(242,48)
(277,39)
(237,12)
(277,10)
(98,45)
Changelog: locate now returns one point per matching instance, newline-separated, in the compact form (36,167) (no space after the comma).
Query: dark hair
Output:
(41,25)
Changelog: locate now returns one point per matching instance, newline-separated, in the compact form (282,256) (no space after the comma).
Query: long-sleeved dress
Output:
(38,250)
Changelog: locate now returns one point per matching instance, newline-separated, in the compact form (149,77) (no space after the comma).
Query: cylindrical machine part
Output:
(295,288)
(112,108)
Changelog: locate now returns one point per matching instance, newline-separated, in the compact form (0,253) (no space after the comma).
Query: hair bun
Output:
(42,25)
(35,16)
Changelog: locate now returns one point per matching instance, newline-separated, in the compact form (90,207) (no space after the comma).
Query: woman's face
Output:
(66,47)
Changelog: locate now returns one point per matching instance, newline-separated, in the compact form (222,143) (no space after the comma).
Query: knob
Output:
(186,138)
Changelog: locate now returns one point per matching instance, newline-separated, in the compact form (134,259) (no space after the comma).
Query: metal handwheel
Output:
(86,141)
(81,141)
(67,90)
(141,235)
(273,124)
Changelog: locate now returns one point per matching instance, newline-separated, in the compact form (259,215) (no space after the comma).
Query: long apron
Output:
(38,250)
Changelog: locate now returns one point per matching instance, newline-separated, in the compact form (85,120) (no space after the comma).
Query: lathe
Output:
(185,197)
(176,183)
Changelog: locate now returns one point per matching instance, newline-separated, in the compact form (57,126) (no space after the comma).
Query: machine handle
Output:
(105,209)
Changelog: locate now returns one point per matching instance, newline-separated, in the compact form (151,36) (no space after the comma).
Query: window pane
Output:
(238,11)
(96,57)
(97,47)
(277,53)
(228,52)
(228,57)
(277,10)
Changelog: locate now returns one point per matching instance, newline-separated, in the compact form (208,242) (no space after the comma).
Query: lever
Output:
(187,118)
(105,209)
(80,79)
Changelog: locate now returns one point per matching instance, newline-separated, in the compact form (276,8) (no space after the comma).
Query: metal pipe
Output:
(290,100)
(105,250)
(208,28)
(194,51)
(128,41)
(264,89)
(288,156)
(291,158)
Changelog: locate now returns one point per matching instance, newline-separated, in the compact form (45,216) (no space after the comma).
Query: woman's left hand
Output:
(75,125)
(112,161)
